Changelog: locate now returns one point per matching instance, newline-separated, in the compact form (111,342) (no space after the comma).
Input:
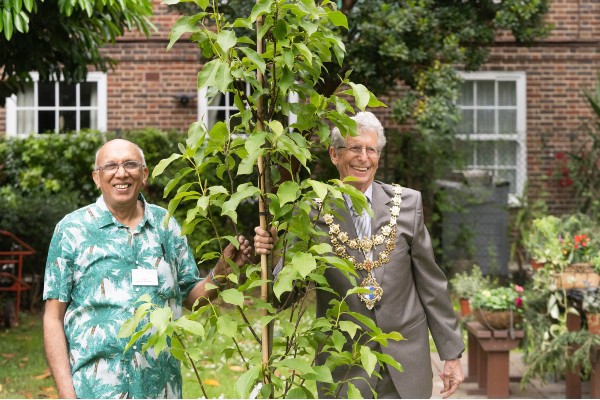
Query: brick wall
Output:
(558,69)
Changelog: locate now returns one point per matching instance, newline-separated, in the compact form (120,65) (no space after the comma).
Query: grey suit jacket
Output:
(415,297)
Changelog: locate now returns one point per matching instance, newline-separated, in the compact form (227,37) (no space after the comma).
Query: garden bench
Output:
(488,357)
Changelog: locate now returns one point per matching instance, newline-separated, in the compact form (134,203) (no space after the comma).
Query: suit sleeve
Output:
(432,288)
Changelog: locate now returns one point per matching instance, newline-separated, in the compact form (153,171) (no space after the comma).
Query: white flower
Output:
(386,230)
(378,239)
(397,200)
(397,189)
(395,211)
(328,218)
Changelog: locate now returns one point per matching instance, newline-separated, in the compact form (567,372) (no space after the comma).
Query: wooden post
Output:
(572,378)
(265,261)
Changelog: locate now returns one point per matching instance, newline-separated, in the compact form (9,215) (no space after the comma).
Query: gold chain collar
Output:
(340,239)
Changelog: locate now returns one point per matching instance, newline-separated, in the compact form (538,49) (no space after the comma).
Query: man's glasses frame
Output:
(356,150)
(129,166)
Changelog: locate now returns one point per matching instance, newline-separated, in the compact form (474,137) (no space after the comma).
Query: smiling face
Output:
(359,165)
(120,189)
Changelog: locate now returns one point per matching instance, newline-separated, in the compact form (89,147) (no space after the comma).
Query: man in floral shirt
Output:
(102,258)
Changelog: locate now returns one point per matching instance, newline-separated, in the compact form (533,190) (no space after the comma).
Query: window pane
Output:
(218,100)
(46,94)
(485,93)
(88,94)
(485,154)
(67,121)
(85,120)
(485,121)
(465,151)
(507,153)
(45,121)
(465,97)
(67,95)
(507,93)
(507,120)
(465,125)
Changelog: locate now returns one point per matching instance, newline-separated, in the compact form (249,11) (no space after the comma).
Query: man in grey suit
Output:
(393,255)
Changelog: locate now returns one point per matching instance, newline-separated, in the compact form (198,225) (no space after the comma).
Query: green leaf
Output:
(244,384)
(362,96)
(255,58)
(353,392)
(276,127)
(182,26)
(159,169)
(284,282)
(244,191)
(8,23)
(233,296)
(319,187)
(349,327)
(321,374)
(389,360)
(261,7)
(226,325)
(368,359)
(304,263)
(321,248)
(296,393)
(226,39)
(338,18)
(297,364)
(160,318)
(288,192)
(215,73)
(193,327)
(28,4)
(339,340)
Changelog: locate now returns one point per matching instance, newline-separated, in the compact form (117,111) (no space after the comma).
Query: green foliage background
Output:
(44,177)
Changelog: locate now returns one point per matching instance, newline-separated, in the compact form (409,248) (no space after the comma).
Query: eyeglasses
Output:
(356,150)
(129,166)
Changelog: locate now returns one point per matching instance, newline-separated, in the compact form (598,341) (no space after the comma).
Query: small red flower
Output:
(519,302)
(560,155)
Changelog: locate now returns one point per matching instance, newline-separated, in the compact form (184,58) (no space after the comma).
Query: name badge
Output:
(144,277)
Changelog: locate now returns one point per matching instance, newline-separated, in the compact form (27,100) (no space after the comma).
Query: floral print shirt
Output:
(90,263)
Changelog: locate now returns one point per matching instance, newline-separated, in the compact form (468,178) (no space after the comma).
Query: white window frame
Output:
(520,79)
(230,109)
(102,105)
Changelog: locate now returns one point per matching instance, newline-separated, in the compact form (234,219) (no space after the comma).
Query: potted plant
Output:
(591,308)
(465,284)
(543,243)
(499,308)
(568,249)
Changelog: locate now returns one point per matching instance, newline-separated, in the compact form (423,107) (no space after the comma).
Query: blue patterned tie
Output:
(362,223)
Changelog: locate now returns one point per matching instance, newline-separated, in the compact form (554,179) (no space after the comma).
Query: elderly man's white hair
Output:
(366,121)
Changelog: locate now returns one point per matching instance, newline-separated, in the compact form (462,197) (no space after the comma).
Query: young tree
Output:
(62,38)
(294,39)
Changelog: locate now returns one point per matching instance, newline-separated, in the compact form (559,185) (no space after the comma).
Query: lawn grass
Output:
(24,371)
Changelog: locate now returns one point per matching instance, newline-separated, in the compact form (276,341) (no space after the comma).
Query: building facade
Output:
(521,112)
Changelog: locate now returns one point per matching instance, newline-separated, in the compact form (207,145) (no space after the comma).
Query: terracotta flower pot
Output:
(577,276)
(593,321)
(465,307)
(536,265)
